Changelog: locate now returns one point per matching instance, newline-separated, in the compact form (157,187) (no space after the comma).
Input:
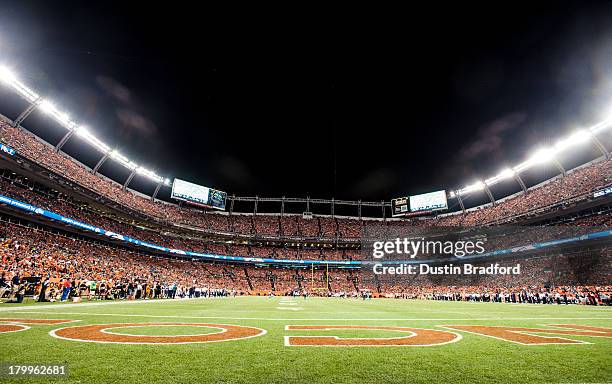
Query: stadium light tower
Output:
(26,112)
(546,155)
(542,156)
(592,135)
(49,108)
(158,187)
(460,199)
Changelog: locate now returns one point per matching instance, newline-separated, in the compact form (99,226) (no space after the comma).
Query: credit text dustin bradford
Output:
(413,248)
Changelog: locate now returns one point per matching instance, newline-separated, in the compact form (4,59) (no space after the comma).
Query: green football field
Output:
(266,358)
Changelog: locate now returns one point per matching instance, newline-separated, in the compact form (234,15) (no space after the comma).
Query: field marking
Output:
(69,305)
(105,330)
(412,334)
(11,328)
(53,333)
(113,302)
(290,308)
(8,324)
(327,319)
(574,342)
(535,332)
(16,320)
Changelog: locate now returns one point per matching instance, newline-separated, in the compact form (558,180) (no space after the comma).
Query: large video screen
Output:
(198,194)
(432,201)
(399,206)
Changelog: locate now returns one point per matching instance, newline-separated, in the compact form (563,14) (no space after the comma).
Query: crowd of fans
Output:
(585,295)
(577,183)
(17,187)
(82,264)
(70,267)
(75,267)
(552,194)
(579,278)
(24,190)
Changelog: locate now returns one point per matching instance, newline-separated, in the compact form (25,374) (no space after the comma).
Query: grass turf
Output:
(265,359)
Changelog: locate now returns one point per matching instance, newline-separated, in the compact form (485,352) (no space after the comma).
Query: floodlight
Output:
(82,131)
(506,173)
(576,138)
(47,107)
(581,136)
(542,156)
(601,125)
(24,91)
(117,156)
(7,76)
(477,186)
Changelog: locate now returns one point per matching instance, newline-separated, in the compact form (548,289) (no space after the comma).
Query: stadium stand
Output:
(86,262)
(564,190)
(18,187)
(28,251)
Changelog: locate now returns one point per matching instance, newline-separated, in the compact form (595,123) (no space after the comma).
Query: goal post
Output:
(314,288)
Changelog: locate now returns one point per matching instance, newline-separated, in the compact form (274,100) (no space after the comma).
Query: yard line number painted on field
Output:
(411,337)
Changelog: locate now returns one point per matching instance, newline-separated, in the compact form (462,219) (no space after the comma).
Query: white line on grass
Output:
(105,303)
(324,319)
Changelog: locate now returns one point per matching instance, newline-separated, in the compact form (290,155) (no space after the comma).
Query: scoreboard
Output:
(400,206)
(431,201)
(427,202)
(198,194)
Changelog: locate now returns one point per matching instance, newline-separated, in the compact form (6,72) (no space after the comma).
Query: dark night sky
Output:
(354,104)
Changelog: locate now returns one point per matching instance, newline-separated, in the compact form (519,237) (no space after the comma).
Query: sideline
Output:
(9,308)
(325,319)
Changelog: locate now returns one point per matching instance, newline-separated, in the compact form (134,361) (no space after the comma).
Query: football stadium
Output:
(281,214)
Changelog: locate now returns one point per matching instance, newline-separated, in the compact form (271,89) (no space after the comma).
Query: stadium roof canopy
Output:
(48,107)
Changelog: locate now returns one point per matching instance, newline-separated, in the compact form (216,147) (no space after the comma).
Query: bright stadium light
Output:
(62,117)
(7,76)
(47,107)
(503,175)
(581,136)
(576,138)
(601,126)
(477,186)
(543,155)
(506,174)
(82,131)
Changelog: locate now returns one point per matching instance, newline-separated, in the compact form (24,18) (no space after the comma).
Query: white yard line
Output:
(8,308)
(324,319)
